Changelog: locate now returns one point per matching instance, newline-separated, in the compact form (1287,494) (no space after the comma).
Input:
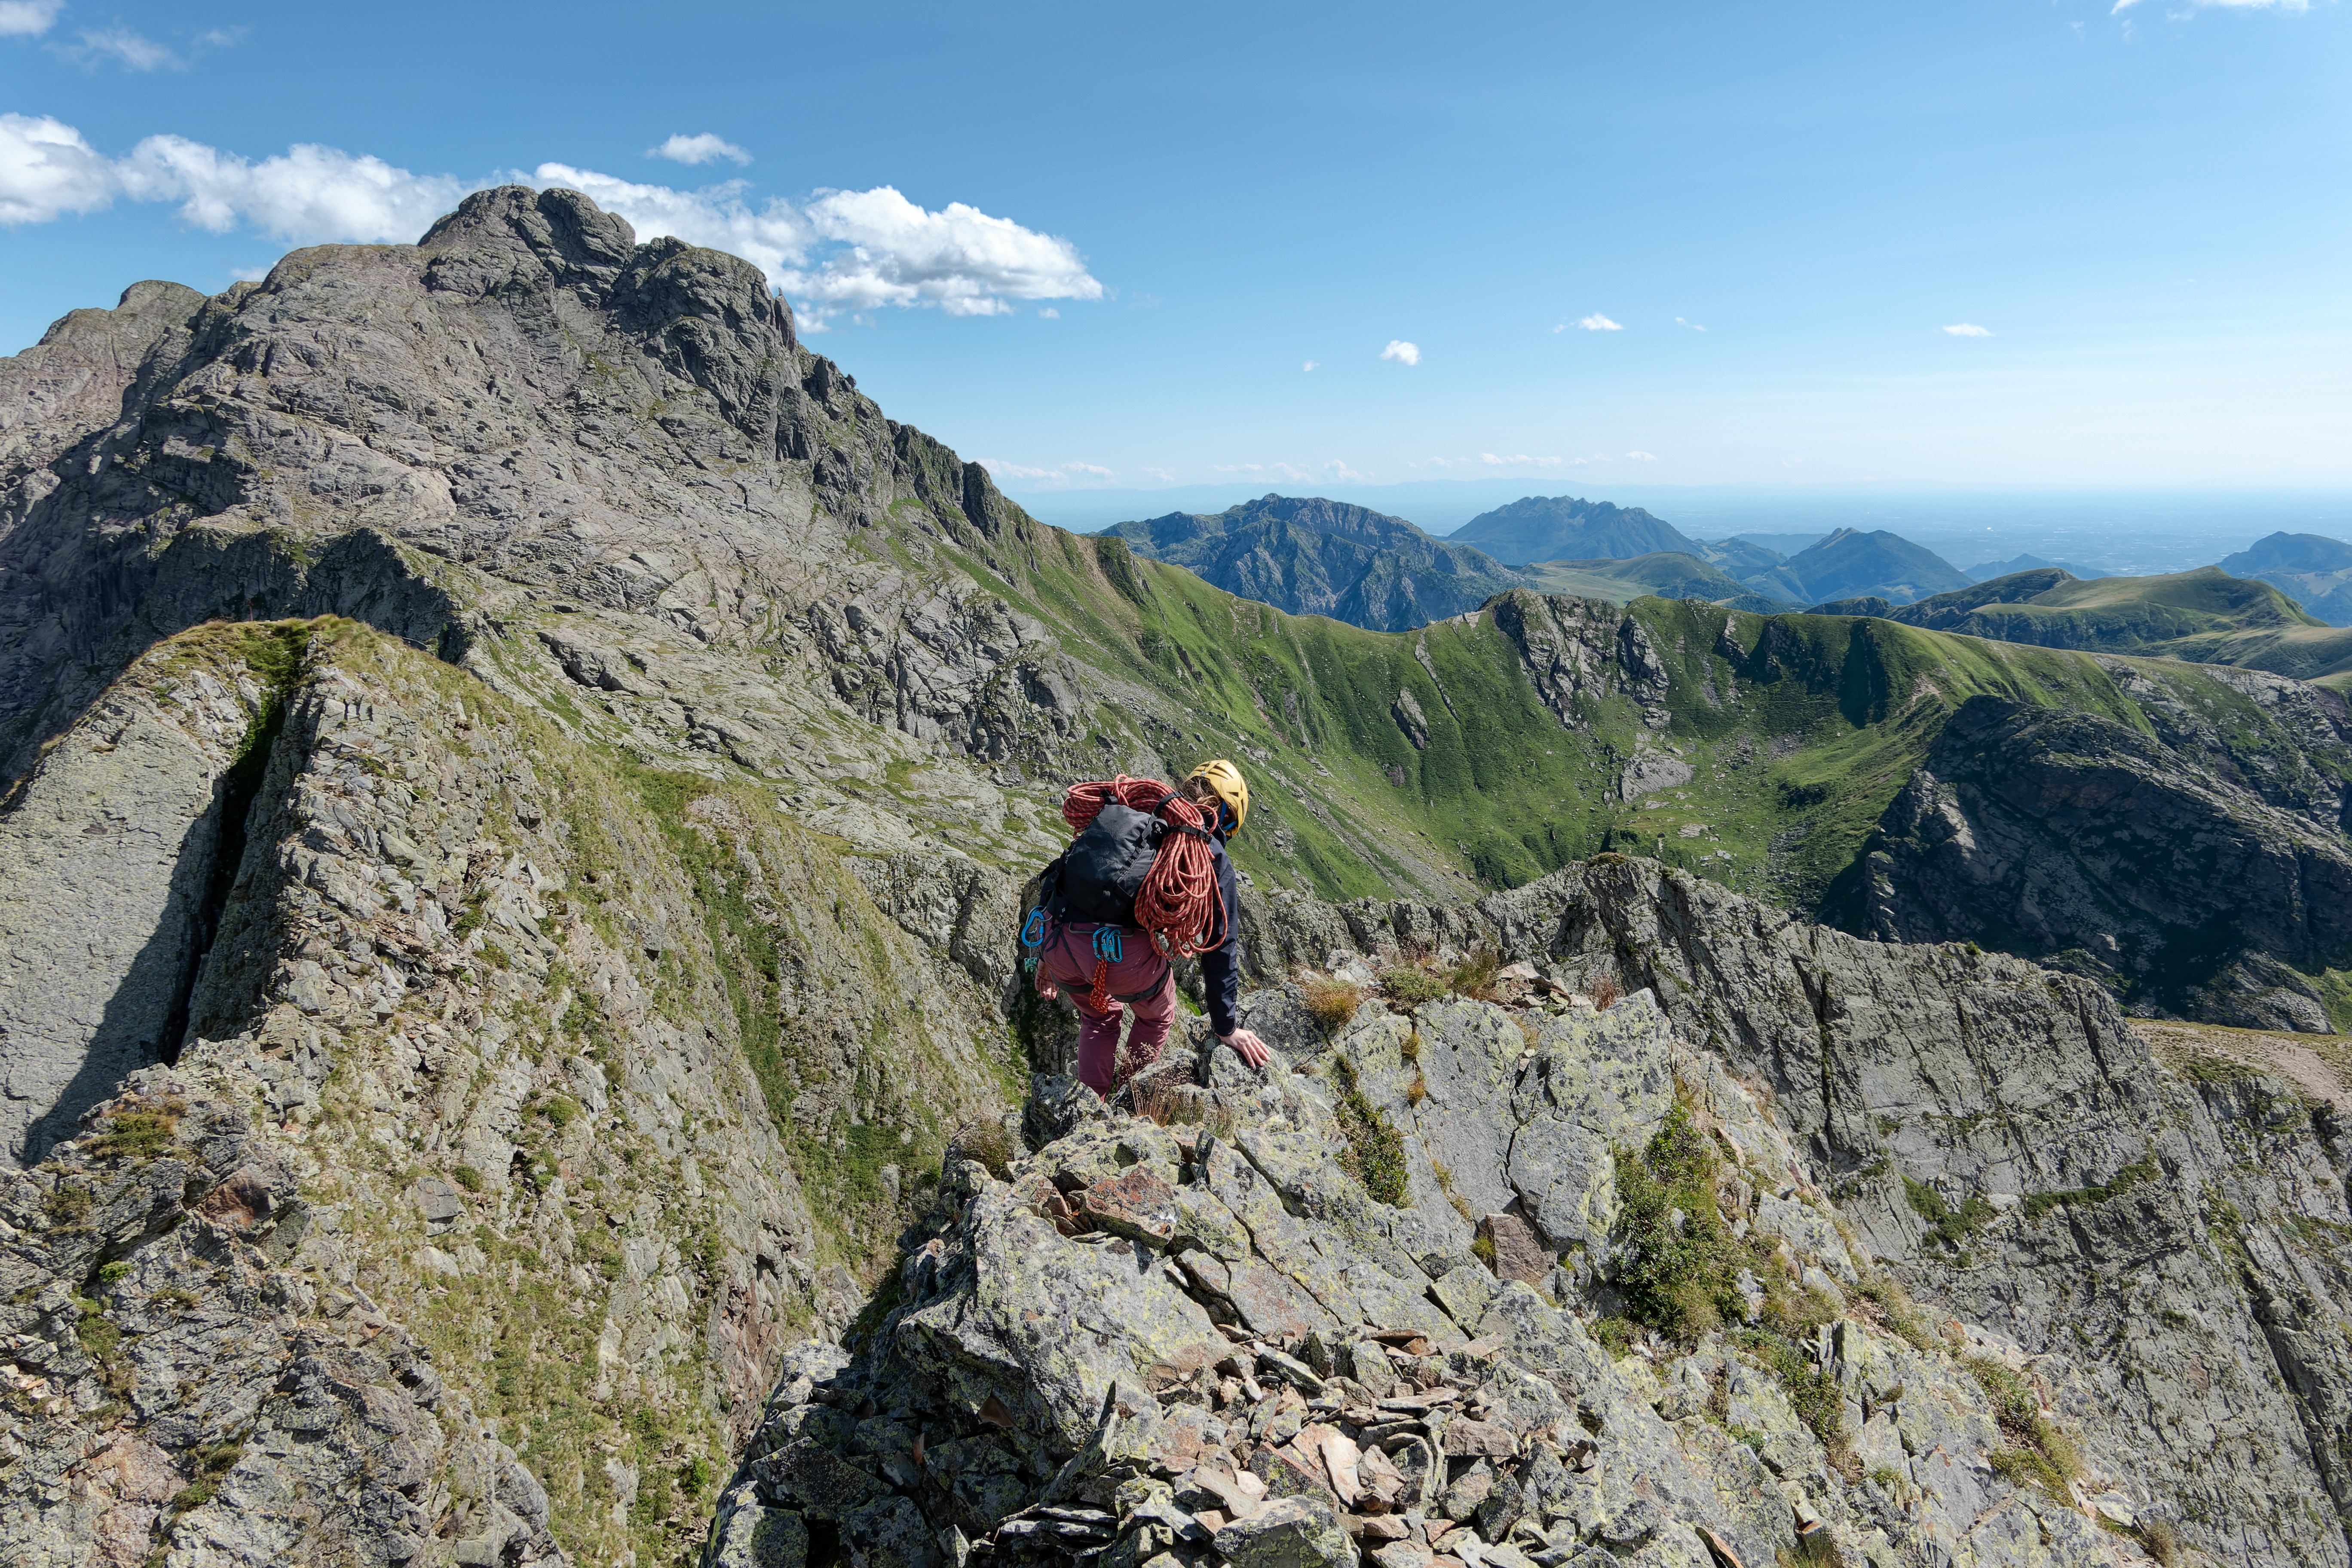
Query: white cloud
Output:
(47,170)
(1338,470)
(843,252)
(1643,456)
(248,274)
(1087,468)
(27,18)
(1967,329)
(1165,476)
(1401,352)
(1003,470)
(132,50)
(1518,461)
(1236,469)
(1694,326)
(1051,314)
(702,149)
(1597,322)
(307,192)
(854,251)
(1308,365)
(2234,5)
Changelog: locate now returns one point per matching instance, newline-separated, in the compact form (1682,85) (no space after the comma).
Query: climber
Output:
(1186,904)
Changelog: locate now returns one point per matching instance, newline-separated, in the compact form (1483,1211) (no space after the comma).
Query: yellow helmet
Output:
(1225,781)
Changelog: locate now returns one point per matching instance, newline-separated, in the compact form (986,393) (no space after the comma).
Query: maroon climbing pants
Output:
(1068,960)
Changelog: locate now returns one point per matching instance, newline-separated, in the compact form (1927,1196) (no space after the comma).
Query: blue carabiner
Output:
(1032,931)
(1106,943)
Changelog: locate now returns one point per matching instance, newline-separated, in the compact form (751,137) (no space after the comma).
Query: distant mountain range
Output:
(2314,570)
(2279,605)
(1315,557)
(1987,570)
(1564,528)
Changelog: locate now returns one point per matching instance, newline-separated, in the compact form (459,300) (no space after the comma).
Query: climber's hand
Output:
(1247,1046)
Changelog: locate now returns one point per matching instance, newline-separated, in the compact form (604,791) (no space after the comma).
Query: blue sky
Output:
(1613,245)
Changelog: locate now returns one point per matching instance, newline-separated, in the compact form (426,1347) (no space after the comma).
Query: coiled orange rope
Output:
(1178,906)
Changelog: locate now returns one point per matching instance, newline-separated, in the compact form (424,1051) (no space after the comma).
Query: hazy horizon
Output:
(2127,532)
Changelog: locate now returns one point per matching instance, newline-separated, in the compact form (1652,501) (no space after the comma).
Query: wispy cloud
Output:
(1516,460)
(131,50)
(1236,467)
(1968,330)
(1643,456)
(1003,470)
(1694,326)
(27,18)
(703,148)
(1401,352)
(1050,314)
(1165,476)
(1308,365)
(1597,322)
(1336,469)
(1000,470)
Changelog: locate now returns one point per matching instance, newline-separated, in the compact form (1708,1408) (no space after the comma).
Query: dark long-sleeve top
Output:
(1221,967)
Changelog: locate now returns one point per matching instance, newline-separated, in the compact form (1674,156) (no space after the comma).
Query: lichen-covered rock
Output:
(1291,1383)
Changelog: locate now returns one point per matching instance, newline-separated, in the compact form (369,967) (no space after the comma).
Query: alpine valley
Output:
(519,780)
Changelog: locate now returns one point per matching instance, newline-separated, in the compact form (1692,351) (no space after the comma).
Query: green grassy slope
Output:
(1798,739)
(1665,574)
(2206,617)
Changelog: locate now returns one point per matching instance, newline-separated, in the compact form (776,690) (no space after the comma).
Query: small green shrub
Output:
(1615,1334)
(140,1135)
(987,1141)
(2041,1456)
(468,1178)
(1948,1227)
(1374,1154)
(1475,975)
(1482,1247)
(2144,1169)
(110,1272)
(1412,984)
(1683,1276)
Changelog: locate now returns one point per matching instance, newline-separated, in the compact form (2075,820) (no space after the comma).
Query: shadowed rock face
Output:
(2160,863)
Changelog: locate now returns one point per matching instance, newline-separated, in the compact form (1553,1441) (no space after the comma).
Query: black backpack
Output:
(1097,878)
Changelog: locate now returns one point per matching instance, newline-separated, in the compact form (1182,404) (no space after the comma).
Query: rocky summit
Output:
(519,780)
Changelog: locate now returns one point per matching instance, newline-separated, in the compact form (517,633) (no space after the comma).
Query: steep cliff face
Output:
(529,1101)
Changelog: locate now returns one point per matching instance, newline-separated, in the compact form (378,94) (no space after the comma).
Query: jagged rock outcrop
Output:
(1207,1342)
(2195,879)
(1999,1135)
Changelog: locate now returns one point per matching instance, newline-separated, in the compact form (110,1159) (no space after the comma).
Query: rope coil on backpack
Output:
(1178,906)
